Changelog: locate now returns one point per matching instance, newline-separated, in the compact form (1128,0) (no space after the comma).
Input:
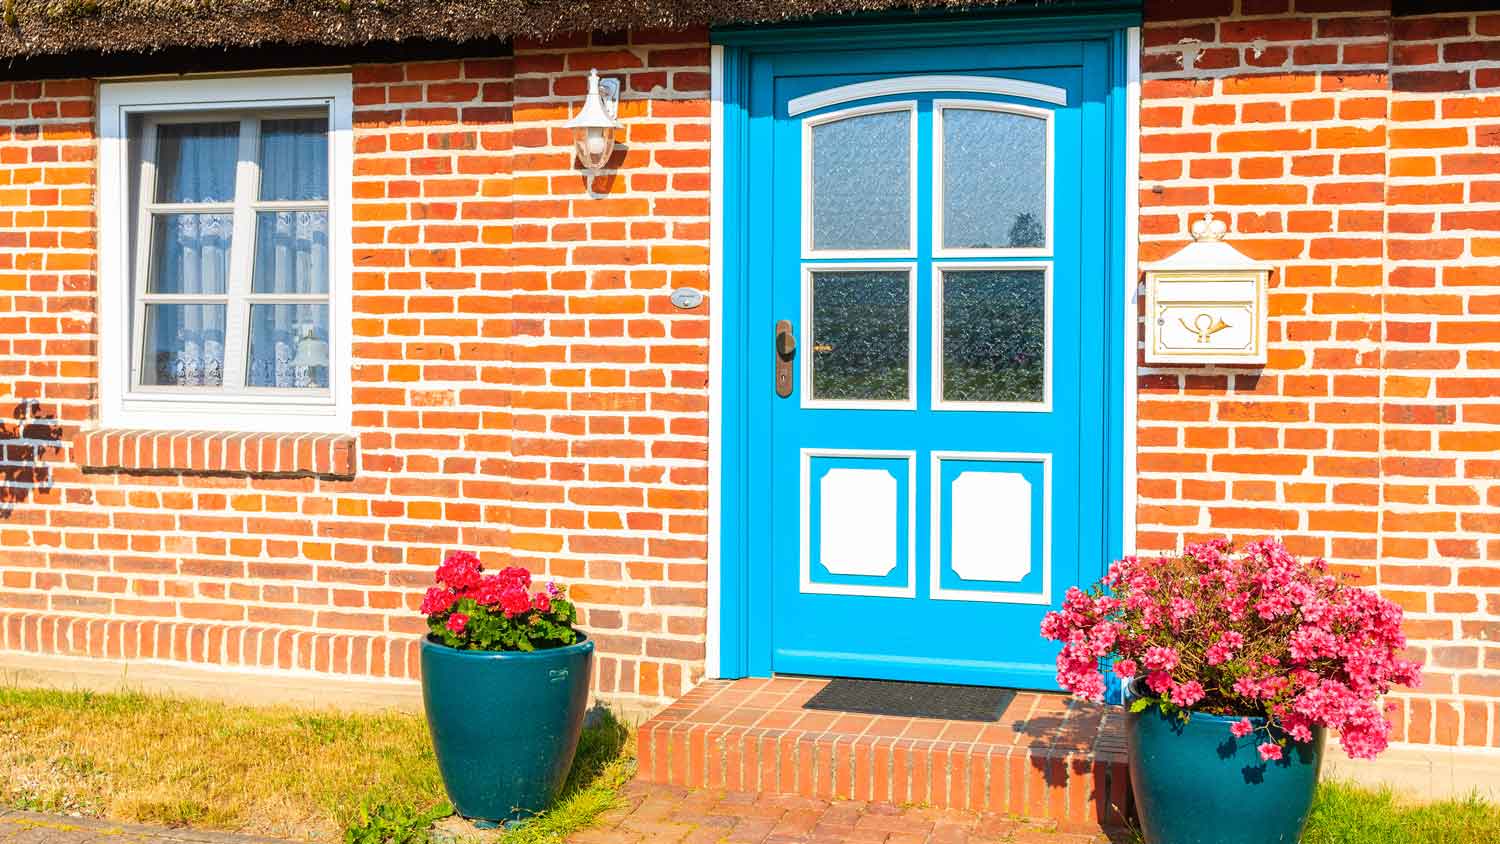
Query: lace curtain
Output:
(191,257)
(195,163)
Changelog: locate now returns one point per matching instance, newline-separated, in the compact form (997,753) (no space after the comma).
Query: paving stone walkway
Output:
(654,814)
(31,828)
(661,814)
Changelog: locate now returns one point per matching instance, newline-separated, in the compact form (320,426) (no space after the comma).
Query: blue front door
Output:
(928,246)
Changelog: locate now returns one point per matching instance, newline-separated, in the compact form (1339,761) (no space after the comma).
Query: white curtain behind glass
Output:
(195,164)
(291,257)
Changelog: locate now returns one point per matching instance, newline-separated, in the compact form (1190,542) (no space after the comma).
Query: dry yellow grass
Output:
(287,773)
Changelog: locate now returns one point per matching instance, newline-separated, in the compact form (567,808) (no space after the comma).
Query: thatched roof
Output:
(51,27)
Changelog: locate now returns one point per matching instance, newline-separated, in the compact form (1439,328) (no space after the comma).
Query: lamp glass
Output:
(595,143)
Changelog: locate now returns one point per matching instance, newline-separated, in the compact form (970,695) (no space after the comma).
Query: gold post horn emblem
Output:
(1204,326)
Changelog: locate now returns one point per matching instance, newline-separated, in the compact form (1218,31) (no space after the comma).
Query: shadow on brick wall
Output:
(26,442)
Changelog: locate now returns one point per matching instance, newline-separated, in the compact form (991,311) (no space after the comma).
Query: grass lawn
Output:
(371,779)
(1344,814)
(298,774)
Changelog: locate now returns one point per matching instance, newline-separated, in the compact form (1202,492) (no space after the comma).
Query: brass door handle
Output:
(786,352)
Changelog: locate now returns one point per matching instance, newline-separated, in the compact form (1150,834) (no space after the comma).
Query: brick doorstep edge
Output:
(216,452)
(70,823)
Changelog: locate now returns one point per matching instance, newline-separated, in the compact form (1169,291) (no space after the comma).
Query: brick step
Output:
(1048,757)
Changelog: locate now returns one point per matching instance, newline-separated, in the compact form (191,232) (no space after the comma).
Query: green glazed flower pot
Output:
(505,725)
(1195,783)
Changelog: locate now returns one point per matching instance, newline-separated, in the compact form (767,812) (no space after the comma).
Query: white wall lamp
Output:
(595,124)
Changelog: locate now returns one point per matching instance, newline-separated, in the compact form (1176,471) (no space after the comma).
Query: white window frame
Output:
(940,269)
(938,208)
(805,343)
(808,124)
(121,404)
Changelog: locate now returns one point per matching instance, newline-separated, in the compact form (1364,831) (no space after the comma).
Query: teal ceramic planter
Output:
(1195,783)
(505,725)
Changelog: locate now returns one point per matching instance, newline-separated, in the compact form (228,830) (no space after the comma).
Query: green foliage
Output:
(379,822)
(1346,814)
(489,629)
(1168,708)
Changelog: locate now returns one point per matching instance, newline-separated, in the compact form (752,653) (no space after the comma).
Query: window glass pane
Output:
(861,182)
(183,345)
(288,346)
(294,159)
(994,180)
(994,335)
(861,333)
(291,252)
(190,253)
(195,162)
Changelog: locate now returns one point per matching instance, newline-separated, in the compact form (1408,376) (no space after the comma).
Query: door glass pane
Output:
(861,182)
(183,345)
(291,252)
(994,335)
(860,334)
(288,346)
(294,159)
(195,162)
(994,180)
(190,253)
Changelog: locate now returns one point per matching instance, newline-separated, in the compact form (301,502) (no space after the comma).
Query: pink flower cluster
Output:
(1257,633)
(472,609)
(461,576)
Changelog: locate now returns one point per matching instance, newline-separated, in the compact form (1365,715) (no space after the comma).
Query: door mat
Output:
(912,700)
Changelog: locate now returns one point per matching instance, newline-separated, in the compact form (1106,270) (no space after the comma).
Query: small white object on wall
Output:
(1207,302)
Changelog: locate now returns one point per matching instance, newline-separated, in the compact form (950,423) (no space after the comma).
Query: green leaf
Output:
(1141,704)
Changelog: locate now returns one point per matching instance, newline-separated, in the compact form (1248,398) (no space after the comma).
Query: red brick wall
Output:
(524,388)
(1349,148)
(1441,396)
(609,380)
(521,388)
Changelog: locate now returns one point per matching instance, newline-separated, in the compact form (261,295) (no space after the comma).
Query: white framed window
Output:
(859,182)
(225,253)
(992,186)
(992,336)
(859,336)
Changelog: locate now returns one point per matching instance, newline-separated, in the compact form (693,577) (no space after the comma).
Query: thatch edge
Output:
(56,27)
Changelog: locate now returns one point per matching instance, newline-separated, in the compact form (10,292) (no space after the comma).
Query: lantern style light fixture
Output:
(595,124)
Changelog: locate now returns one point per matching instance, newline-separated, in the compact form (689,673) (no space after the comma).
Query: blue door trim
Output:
(744,602)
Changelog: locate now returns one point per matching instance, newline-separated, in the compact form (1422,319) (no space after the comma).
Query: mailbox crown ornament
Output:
(1207,302)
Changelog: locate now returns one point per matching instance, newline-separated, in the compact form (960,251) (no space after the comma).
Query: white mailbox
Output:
(1206,303)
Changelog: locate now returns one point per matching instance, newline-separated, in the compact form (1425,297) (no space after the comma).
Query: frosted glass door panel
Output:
(861,182)
(994,179)
(861,335)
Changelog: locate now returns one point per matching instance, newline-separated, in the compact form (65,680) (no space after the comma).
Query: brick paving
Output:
(1046,755)
(666,814)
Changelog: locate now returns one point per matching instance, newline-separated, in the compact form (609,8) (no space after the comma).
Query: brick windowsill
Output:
(216,452)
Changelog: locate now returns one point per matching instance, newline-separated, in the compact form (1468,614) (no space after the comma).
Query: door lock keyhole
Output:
(786,352)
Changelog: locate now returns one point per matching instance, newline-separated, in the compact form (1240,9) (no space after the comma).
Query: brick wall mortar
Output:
(324,573)
(1339,443)
(523,386)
